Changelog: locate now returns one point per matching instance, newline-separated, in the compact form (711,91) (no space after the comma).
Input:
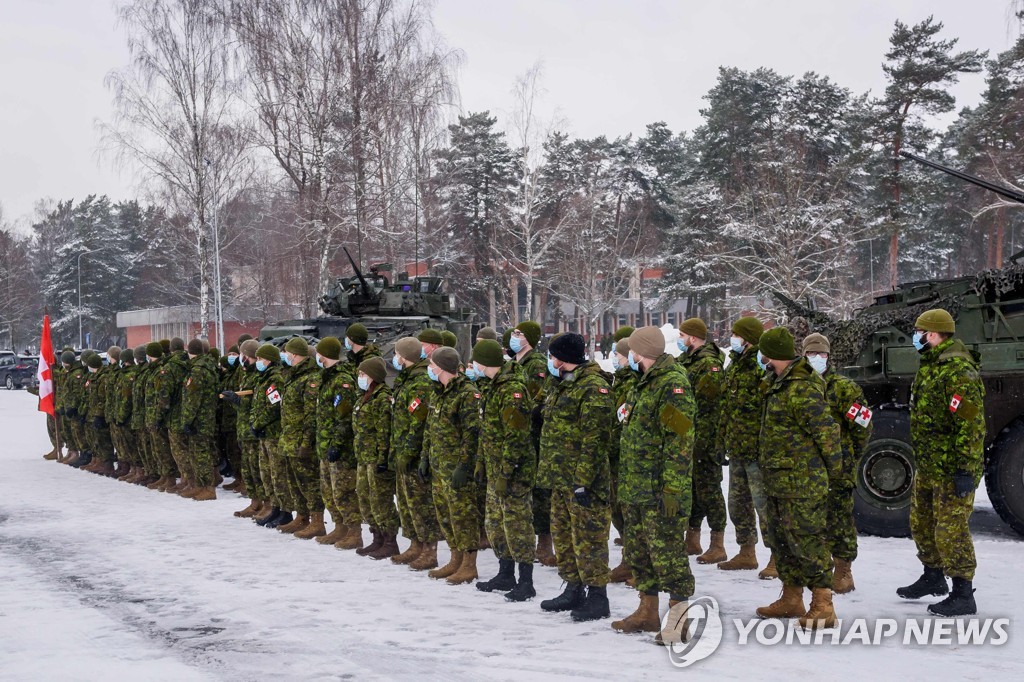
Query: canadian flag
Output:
(45,371)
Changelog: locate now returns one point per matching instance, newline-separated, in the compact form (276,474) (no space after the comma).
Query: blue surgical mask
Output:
(736,343)
(286,359)
(555,372)
(423,353)
(919,342)
(430,373)
(232,359)
(683,348)
(760,361)
(615,345)
(261,365)
(395,362)
(320,362)
(515,343)
(615,362)
(819,363)
(348,343)
(471,373)
(633,364)
(364,383)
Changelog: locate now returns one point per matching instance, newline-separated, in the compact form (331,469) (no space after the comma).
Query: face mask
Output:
(819,363)
(395,363)
(261,365)
(430,373)
(736,343)
(555,372)
(919,342)
(472,374)
(515,343)
(320,362)
(633,364)
(760,361)
(364,383)
(348,343)
(615,345)
(615,362)
(682,346)
(232,359)
(93,370)
(286,359)
(423,353)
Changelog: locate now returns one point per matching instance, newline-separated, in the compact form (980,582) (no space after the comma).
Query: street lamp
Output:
(83,253)
(218,300)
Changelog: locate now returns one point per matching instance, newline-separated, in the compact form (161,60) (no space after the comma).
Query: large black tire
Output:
(9,382)
(885,476)
(1004,475)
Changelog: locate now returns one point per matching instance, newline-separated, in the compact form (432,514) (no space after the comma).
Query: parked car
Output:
(18,371)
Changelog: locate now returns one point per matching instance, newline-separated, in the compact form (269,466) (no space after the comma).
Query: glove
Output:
(460,476)
(582,496)
(671,502)
(71,412)
(333,454)
(189,430)
(231,397)
(423,471)
(382,468)
(479,473)
(101,423)
(501,487)
(963,483)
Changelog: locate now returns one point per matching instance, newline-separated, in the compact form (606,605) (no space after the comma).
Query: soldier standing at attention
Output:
(372,425)
(623,381)
(357,342)
(96,397)
(198,420)
(947,431)
(265,426)
(800,456)
(149,471)
(431,340)
(298,440)
(247,379)
(173,373)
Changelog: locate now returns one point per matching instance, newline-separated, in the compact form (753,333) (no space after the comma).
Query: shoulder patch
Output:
(517,396)
(477,396)
(859,414)
(414,404)
(346,386)
(602,390)
(679,390)
(716,369)
(954,404)
(542,374)
(675,420)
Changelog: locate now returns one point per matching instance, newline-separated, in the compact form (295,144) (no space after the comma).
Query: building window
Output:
(623,320)
(656,319)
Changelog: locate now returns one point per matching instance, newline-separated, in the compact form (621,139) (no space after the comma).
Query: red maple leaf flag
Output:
(45,371)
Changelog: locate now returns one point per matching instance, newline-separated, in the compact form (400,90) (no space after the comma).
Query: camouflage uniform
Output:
(453,429)
(158,417)
(704,369)
(96,400)
(579,425)
(739,424)
(298,436)
(138,419)
(229,378)
(338,395)
(60,383)
(371,422)
(413,391)
(800,453)
(368,351)
(623,382)
(76,406)
(173,373)
(535,372)
(265,426)
(947,431)
(247,379)
(119,414)
(656,458)
(198,415)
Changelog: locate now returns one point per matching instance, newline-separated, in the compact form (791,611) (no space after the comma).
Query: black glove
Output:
(101,423)
(71,412)
(582,496)
(423,472)
(231,397)
(460,476)
(963,483)
(189,430)
(382,468)
(333,454)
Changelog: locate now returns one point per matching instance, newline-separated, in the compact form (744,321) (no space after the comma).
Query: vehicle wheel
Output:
(9,383)
(885,475)
(1004,475)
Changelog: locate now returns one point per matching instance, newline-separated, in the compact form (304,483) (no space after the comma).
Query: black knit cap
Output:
(569,348)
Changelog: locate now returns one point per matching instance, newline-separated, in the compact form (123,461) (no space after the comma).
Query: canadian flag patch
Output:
(715,369)
(477,396)
(517,396)
(603,390)
(189,382)
(414,404)
(273,395)
(622,412)
(954,404)
(678,390)
(859,414)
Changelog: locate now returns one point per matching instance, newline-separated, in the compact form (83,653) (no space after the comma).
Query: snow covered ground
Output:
(105,580)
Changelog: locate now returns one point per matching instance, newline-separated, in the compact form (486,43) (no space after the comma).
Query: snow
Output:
(105,580)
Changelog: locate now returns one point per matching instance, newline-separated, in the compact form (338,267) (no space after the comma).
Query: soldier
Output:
(450,449)
(149,471)
(230,375)
(851,411)
(78,409)
(623,381)
(62,402)
(246,381)
(738,428)
(157,417)
(173,372)
(574,463)
(947,431)
(413,391)
(99,433)
(265,427)
(371,422)
(119,413)
(431,340)
(800,455)
(357,341)
(298,440)
(702,361)
(198,420)
(448,339)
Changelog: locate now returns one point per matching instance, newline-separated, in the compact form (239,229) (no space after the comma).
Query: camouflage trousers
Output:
(613,502)
(541,511)
(231,450)
(508,522)
(68,433)
(580,536)
(382,501)
(51,431)
(303,473)
(161,448)
(708,500)
(274,474)
(747,501)
(416,508)
(179,451)
(144,448)
(125,445)
(363,475)
(458,514)
(799,538)
(939,523)
(250,469)
(841,526)
(338,489)
(202,457)
(655,549)
(102,445)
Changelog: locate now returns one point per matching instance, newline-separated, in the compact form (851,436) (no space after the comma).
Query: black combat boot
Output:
(931,582)
(268,517)
(84,459)
(504,581)
(594,607)
(281,519)
(959,603)
(523,590)
(571,598)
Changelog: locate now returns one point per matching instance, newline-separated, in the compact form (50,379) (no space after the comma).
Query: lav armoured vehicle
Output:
(388,309)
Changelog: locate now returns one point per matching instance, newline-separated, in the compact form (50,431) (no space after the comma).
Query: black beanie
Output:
(568,348)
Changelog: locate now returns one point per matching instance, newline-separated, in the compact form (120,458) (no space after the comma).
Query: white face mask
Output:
(736,343)
(819,363)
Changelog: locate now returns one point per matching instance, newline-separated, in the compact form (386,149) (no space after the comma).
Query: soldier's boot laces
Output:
(250,511)
(427,559)
(821,614)
(789,605)
(931,583)
(410,554)
(315,529)
(524,589)
(769,572)
(300,523)
(960,601)
(467,570)
(353,538)
(388,548)
(594,606)
(270,512)
(716,551)
(746,560)
(644,619)
(449,568)
(283,518)
(545,550)
(677,625)
(204,494)
(504,581)
(378,540)
(621,573)
(842,577)
(572,597)
(339,531)
(693,541)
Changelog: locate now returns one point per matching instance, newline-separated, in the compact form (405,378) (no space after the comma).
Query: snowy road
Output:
(104,580)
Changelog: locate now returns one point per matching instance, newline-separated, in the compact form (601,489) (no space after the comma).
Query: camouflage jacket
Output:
(413,391)
(121,396)
(799,448)
(172,375)
(334,407)
(77,396)
(96,391)
(740,418)
(265,408)
(371,422)
(947,412)
(504,444)
(60,380)
(156,417)
(142,375)
(199,396)
(247,379)
(453,427)
(656,450)
(64,395)
(704,369)
(850,410)
(535,372)
(579,425)
(368,351)
(623,382)
(298,411)
(228,379)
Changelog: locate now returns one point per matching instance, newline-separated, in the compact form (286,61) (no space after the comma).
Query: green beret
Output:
(488,353)
(154,349)
(269,351)
(432,336)
(531,330)
(358,334)
(694,327)
(505,338)
(140,353)
(243,338)
(749,329)
(297,346)
(195,347)
(487,333)
(449,339)
(778,344)
(623,333)
(329,347)
(233,349)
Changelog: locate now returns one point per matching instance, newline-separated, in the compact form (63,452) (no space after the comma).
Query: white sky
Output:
(610,66)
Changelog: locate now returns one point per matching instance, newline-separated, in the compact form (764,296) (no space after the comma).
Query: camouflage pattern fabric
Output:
(371,422)
(265,425)
(850,410)
(199,411)
(623,382)
(412,391)
(747,502)
(245,379)
(535,372)
(298,435)
(654,547)
(75,407)
(338,396)
(96,400)
(274,474)
(580,536)
(940,525)
(174,371)
(338,488)
(707,377)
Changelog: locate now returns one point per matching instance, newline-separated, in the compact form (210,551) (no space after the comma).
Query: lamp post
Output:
(217,296)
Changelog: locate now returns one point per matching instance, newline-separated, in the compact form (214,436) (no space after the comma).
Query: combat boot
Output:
(269,512)
(572,597)
(693,541)
(409,555)
(105,469)
(353,538)
(842,577)
(388,547)
(283,518)
(789,605)
(123,471)
(378,540)
(545,550)
(427,558)
(485,543)
(524,590)
(250,511)
(233,486)
(769,572)
(72,456)
(51,455)
(158,483)
(594,607)
(746,560)
(644,619)
(188,491)
(450,568)
(175,485)
(505,580)
(960,602)
(820,615)
(932,582)
(301,523)
(315,529)
(83,460)
(467,570)
(337,534)
(716,552)
(204,494)
(677,628)
(621,573)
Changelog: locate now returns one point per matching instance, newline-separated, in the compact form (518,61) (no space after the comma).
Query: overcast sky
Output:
(610,66)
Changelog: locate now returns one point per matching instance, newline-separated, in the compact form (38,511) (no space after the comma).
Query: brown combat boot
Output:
(693,541)
(467,570)
(176,485)
(252,510)
(123,471)
(315,529)
(621,573)
(746,560)
(105,469)
(158,483)
(427,558)
(789,605)
(388,547)
(449,568)
(677,628)
(716,552)
(545,550)
(336,534)
(409,555)
(485,543)
(769,572)
(821,615)
(353,538)
(204,494)
(300,522)
(644,619)
(378,540)
(68,456)
(234,485)
(842,578)
(51,455)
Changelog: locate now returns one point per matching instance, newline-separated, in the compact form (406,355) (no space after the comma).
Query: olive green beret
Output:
(195,347)
(694,327)
(177,344)
(449,339)
(140,353)
(749,329)
(623,333)
(431,336)
(94,361)
(531,330)
(936,320)
(154,349)
(67,357)
(487,333)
